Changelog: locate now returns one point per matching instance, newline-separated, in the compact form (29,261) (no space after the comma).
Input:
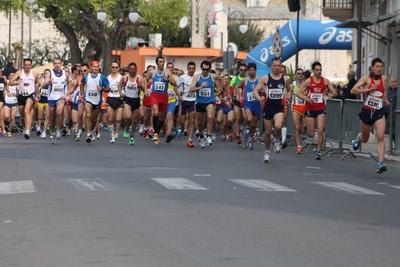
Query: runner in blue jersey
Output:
(203,84)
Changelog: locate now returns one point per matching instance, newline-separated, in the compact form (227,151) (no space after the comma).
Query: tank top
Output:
(316,92)
(374,99)
(298,103)
(274,92)
(12,91)
(206,94)
(27,85)
(92,94)
(171,92)
(58,87)
(132,88)
(249,88)
(160,85)
(114,86)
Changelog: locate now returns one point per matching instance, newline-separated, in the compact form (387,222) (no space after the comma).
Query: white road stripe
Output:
(202,174)
(347,188)
(311,167)
(17,187)
(394,186)
(178,183)
(262,185)
(89,184)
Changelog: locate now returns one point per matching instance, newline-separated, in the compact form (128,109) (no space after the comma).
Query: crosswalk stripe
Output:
(89,184)
(178,183)
(347,188)
(262,185)
(17,187)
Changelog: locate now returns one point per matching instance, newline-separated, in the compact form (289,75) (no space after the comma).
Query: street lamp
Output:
(242,28)
(101,14)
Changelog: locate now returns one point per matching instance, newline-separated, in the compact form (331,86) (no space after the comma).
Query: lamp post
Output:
(242,28)
(101,16)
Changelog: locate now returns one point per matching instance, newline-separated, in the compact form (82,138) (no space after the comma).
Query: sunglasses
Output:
(242,69)
(113,67)
(300,73)
(205,69)
(84,70)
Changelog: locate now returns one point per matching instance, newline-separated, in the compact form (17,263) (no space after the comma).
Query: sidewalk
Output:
(371,147)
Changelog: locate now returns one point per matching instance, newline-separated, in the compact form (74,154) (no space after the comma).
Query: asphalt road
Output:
(102,204)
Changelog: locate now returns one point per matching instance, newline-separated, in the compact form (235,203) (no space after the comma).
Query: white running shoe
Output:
(277,146)
(43,135)
(93,136)
(141,129)
(116,135)
(58,134)
(266,157)
(202,143)
(98,136)
(209,141)
(112,140)
(52,138)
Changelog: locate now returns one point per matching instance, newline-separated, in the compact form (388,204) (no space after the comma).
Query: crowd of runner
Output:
(81,101)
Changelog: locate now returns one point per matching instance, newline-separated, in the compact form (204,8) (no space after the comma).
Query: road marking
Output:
(89,184)
(178,183)
(262,185)
(347,188)
(201,174)
(311,167)
(157,168)
(17,187)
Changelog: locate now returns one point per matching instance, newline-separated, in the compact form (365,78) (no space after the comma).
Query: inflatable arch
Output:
(313,34)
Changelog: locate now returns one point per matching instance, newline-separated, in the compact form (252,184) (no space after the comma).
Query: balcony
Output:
(338,9)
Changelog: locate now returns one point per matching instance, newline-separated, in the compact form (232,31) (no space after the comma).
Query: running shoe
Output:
(126,132)
(209,141)
(58,134)
(277,146)
(285,144)
(112,139)
(88,138)
(9,134)
(141,129)
(202,143)
(249,144)
(131,140)
(185,133)
(93,136)
(318,155)
(155,138)
(27,134)
(68,132)
(238,140)
(356,144)
(213,137)
(116,135)
(43,135)
(246,133)
(98,136)
(223,139)
(381,168)
(78,135)
(190,143)
(144,134)
(38,129)
(299,150)
(266,157)
(169,138)
(179,133)
(52,138)
(64,132)
(150,134)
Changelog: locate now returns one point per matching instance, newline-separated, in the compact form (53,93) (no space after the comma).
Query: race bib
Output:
(374,102)
(299,101)
(114,89)
(251,97)
(318,98)
(275,93)
(191,95)
(1,87)
(171,93)
(130,87)
(93,93)
(58,88)
(24,93)
(45,92)
(159,86)
(205,92)
(217,100)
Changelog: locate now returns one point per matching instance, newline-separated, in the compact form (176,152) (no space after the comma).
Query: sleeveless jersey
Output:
(160,85)
(92,94)
(274,92)
(206,94)
(316,92)
(132,88)
(171,92)
(27,85)
(249,88)
(374,99)
(298,103)
(11,99)
(58,87)
(114,86)
(183,84)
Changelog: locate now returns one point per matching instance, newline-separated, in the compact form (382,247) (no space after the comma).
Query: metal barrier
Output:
(333,125)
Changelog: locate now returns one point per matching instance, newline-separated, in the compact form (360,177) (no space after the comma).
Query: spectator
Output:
(8,69)
(347,88)
(392,97)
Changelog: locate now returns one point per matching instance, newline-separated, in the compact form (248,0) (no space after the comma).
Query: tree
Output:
(77,20)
